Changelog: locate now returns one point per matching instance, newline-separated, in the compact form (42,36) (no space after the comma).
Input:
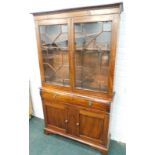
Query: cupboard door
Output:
(73,121)
(94,53)
(55,116)
(93,126)
(54,51)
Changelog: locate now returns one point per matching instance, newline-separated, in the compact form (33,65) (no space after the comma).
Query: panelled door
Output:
(87,124)
(93,126)
(55,115)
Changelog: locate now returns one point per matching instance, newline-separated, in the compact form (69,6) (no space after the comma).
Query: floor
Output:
(41,144)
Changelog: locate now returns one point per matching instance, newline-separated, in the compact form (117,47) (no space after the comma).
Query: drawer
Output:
(47,96)
(75,100)
(56,97)
(63,98)
(90,103)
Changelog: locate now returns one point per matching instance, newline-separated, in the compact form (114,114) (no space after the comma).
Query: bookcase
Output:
(76,51)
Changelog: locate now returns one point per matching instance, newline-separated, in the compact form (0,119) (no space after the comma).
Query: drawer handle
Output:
(77,124)
(66,121)
(90,103)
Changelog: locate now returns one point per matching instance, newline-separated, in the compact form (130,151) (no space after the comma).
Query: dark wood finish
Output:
(100,147)
(39,52)
(78,113)
(116,8)
(82,101)
(73,121)
(71,54)
(55,115)
(113,52)
(91,126)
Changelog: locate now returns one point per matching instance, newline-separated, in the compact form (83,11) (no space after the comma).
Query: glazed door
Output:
(94,52)
(54,51)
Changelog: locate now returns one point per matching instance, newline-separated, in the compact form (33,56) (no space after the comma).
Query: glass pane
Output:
(92,51)
(54,44)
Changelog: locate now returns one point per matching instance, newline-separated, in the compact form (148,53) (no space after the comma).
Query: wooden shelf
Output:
(62,82)
(78,48)
(92,49)
(82,35)
(49,47)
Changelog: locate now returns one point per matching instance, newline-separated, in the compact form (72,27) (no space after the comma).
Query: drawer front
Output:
(56,97)
(90,104)
(50,97)
(75,100)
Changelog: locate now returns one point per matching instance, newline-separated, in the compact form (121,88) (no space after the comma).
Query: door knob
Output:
(77,124)
(66,121)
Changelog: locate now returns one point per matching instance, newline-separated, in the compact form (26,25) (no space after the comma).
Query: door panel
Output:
(73,121)
(55,115)
(92,126)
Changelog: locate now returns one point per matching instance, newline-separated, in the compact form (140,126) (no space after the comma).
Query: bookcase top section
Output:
(117,8)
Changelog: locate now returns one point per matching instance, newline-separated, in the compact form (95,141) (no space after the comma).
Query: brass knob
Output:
(77,124)
(90,103)
(66,121)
